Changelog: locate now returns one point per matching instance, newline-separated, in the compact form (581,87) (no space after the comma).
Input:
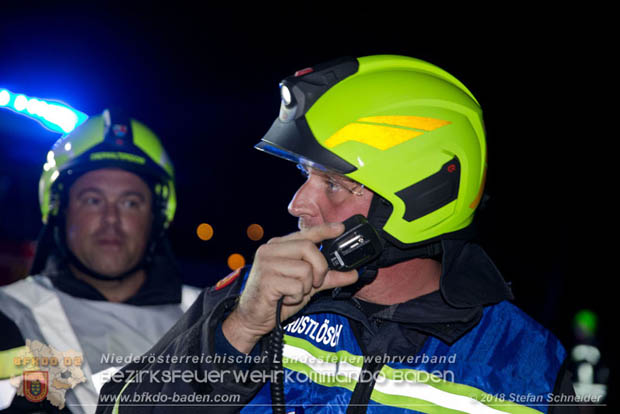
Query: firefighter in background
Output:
(104,282)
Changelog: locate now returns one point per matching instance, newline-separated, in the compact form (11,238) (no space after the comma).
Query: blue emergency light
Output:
(53,115)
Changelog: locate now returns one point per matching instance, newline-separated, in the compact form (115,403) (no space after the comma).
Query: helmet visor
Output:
(295,142)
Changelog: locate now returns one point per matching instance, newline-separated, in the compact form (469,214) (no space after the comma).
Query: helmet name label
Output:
(121,156)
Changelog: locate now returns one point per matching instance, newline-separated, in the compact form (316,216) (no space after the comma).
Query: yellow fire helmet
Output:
(404,128)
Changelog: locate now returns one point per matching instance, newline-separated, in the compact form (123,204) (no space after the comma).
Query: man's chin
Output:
(113,273)
(105,271)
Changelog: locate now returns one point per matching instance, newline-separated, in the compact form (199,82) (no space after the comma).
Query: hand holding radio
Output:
(290,267)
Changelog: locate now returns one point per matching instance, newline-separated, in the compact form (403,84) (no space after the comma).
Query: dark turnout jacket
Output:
(457,348)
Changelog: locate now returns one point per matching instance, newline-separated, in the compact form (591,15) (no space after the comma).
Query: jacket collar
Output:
(469,277)
(162,286)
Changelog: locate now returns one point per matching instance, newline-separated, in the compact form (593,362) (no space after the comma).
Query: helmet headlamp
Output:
(287,96)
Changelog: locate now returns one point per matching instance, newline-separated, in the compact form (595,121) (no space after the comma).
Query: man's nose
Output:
(111,213)
(304,201)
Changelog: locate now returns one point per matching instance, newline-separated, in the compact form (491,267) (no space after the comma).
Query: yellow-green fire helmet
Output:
(109,140)
(406,129)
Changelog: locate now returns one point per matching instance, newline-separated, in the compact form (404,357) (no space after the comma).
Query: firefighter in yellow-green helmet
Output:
(104,283)
(425,326)
(106,143)
(403,128)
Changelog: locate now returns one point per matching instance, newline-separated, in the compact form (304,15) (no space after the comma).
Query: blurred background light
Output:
(255,232)
(5,97)
(586,322)
(204,231)
(235,261)
(20,102)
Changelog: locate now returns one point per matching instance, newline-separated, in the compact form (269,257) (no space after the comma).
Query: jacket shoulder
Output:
(507,352)
(512,318)
(513,337)
(30,287)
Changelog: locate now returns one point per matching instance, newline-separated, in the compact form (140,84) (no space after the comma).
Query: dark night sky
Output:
(207,84)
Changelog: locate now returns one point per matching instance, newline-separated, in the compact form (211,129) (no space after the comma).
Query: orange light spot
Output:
(204,231)
(235,261)
(255,232)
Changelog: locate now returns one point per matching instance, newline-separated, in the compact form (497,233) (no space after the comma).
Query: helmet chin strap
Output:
(378,214)
(68,256)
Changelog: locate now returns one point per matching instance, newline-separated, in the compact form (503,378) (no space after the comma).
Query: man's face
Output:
(109,220)
(328,198)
